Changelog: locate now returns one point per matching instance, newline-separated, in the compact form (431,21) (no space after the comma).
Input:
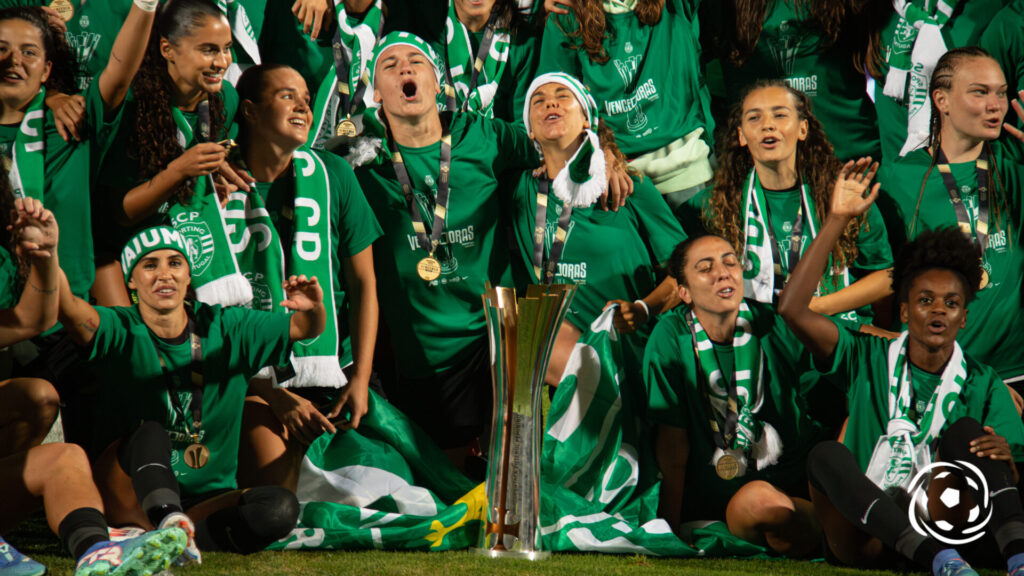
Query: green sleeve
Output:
(664,374)
(256,338)
(850,352)
(556,53)
(662,233)
(8,280)
(873,250)
(230,109)
(111,336)
(515,149)
(1002,416)
(103,125)
(355,222)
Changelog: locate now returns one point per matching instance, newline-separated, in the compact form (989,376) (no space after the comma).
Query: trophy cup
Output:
(522,333)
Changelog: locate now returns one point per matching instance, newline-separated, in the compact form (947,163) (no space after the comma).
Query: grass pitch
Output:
(34,538)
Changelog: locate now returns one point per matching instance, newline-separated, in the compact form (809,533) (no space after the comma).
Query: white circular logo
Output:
(200,244)
(959,503)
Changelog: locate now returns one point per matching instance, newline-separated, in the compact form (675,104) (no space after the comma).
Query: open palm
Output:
(850,196)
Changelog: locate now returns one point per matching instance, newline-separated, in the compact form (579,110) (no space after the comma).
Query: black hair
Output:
(64,66)
(676,267)
(250,87)
(942,248)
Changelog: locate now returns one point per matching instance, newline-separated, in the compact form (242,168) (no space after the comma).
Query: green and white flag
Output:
(383,486)
(599,477)
(243,35)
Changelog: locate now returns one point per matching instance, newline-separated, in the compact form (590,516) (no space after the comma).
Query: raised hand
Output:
(35,228)
(199,160)
(1019,109)
(302,293)
(558,6)
(850,197)
(68,114)
(315,15)
(629,317)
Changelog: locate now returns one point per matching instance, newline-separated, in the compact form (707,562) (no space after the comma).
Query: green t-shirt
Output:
(283,42)
(650,91)
(608,255)
(964,28)
(236,343)
(992,334)
(69,169)
(436,325)
(120,172)
(1004,40)
(790,48)
(353,229)
(675,399)
(873,249)
(860,363)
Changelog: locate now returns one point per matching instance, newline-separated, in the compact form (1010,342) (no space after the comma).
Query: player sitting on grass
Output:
(912,400)
(174,376)
(57,475)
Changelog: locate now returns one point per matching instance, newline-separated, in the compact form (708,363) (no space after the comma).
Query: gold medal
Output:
(984,279)
(196,456)
(346,128)
(727,467)
(64,9)
(429,269)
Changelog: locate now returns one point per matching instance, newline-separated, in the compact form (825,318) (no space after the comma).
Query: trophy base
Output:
(518,554)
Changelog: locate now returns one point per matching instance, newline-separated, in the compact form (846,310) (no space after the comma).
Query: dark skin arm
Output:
(819,334)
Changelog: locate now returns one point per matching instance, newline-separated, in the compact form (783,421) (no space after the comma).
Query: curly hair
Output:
(64,66)
(815,162)
(155,143)
(942,79)
(591,28)
(942,248)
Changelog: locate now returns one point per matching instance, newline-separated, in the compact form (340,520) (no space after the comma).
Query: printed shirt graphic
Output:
(791,50)
(650,91)
(435,325)
(860,363)
(237,342)
(609,255)
(992,335)
(674,399)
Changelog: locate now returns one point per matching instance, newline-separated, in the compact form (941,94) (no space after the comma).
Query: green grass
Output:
(34,539)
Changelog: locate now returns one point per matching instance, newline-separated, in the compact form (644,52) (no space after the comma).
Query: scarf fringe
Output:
(364,150)
(230,290)
(768,449)
(321,371)
(582,195)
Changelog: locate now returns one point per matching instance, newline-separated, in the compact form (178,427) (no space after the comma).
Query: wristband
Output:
(646,309)
(147,5)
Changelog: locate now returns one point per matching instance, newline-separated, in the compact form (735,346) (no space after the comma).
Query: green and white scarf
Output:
(261,256)
(215,274)
(462,61)
(916,47)
(242,33)
(358,42)
(758,266)
(757,439)
(27,174)
(906,447)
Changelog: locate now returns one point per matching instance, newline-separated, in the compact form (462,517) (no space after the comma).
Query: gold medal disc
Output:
(429,269)
(346,128)
(727,467)
(64,8)
(196,456)
(984,279)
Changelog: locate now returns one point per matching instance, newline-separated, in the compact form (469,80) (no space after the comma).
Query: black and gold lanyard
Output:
(196,454)
(545,269)
(979,232)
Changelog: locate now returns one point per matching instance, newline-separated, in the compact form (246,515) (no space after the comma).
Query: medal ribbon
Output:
(795,243)
(352,88)
(441,204)
(540,234)
(979,232)
(723,435)
(174,381)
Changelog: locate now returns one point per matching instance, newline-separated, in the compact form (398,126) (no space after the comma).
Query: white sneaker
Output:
(191,555)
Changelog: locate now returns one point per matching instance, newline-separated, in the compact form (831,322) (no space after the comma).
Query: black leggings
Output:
(832,470)
(261,516)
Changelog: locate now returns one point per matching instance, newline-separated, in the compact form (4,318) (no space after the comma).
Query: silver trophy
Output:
(522,333)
